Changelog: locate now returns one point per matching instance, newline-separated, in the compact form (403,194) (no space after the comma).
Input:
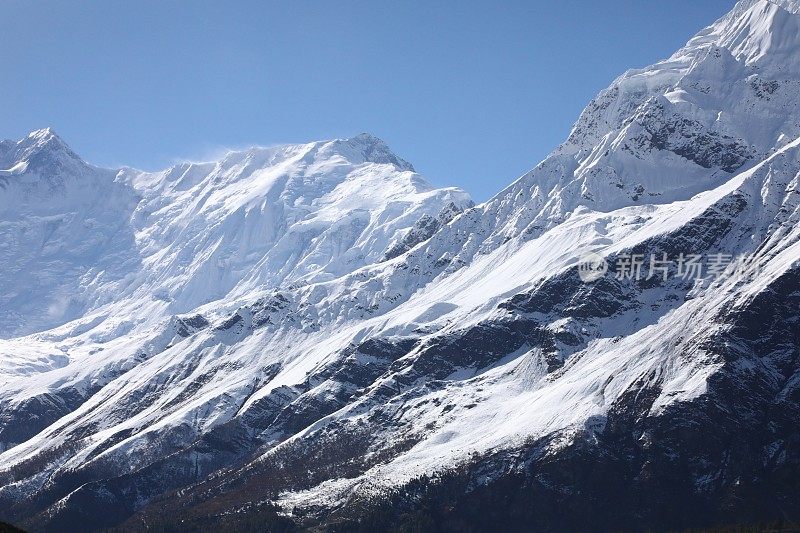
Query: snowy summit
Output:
(313,336)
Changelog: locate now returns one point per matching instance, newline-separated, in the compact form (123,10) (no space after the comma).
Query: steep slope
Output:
(666,384)
(78,237)
(63,227)
(462,346)
(124,250)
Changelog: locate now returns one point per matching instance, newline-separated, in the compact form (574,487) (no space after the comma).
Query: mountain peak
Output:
(44,139)
(369,148)
(367,138)
(792,6)
(43,134)
(42,151)
(757,31)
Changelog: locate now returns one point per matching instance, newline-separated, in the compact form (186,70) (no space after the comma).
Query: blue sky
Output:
(472,93)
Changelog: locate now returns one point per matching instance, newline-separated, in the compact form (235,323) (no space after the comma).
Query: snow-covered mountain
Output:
(315,328)
(79,237)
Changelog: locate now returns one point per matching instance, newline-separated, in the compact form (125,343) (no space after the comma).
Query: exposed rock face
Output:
(269,336)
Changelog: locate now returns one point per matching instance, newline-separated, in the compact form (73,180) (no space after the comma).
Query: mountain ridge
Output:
(458,369)
(310,190)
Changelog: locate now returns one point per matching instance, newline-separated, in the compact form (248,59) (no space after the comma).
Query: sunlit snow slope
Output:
(78,237)
(315,326)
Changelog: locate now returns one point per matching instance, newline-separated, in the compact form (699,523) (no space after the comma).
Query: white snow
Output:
(100,266)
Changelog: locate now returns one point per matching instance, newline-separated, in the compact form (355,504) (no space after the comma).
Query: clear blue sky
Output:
(472,93)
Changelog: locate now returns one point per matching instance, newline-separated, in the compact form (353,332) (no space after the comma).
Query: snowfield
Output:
(315,325)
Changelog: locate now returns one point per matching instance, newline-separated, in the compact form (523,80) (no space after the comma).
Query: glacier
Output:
(307,332)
